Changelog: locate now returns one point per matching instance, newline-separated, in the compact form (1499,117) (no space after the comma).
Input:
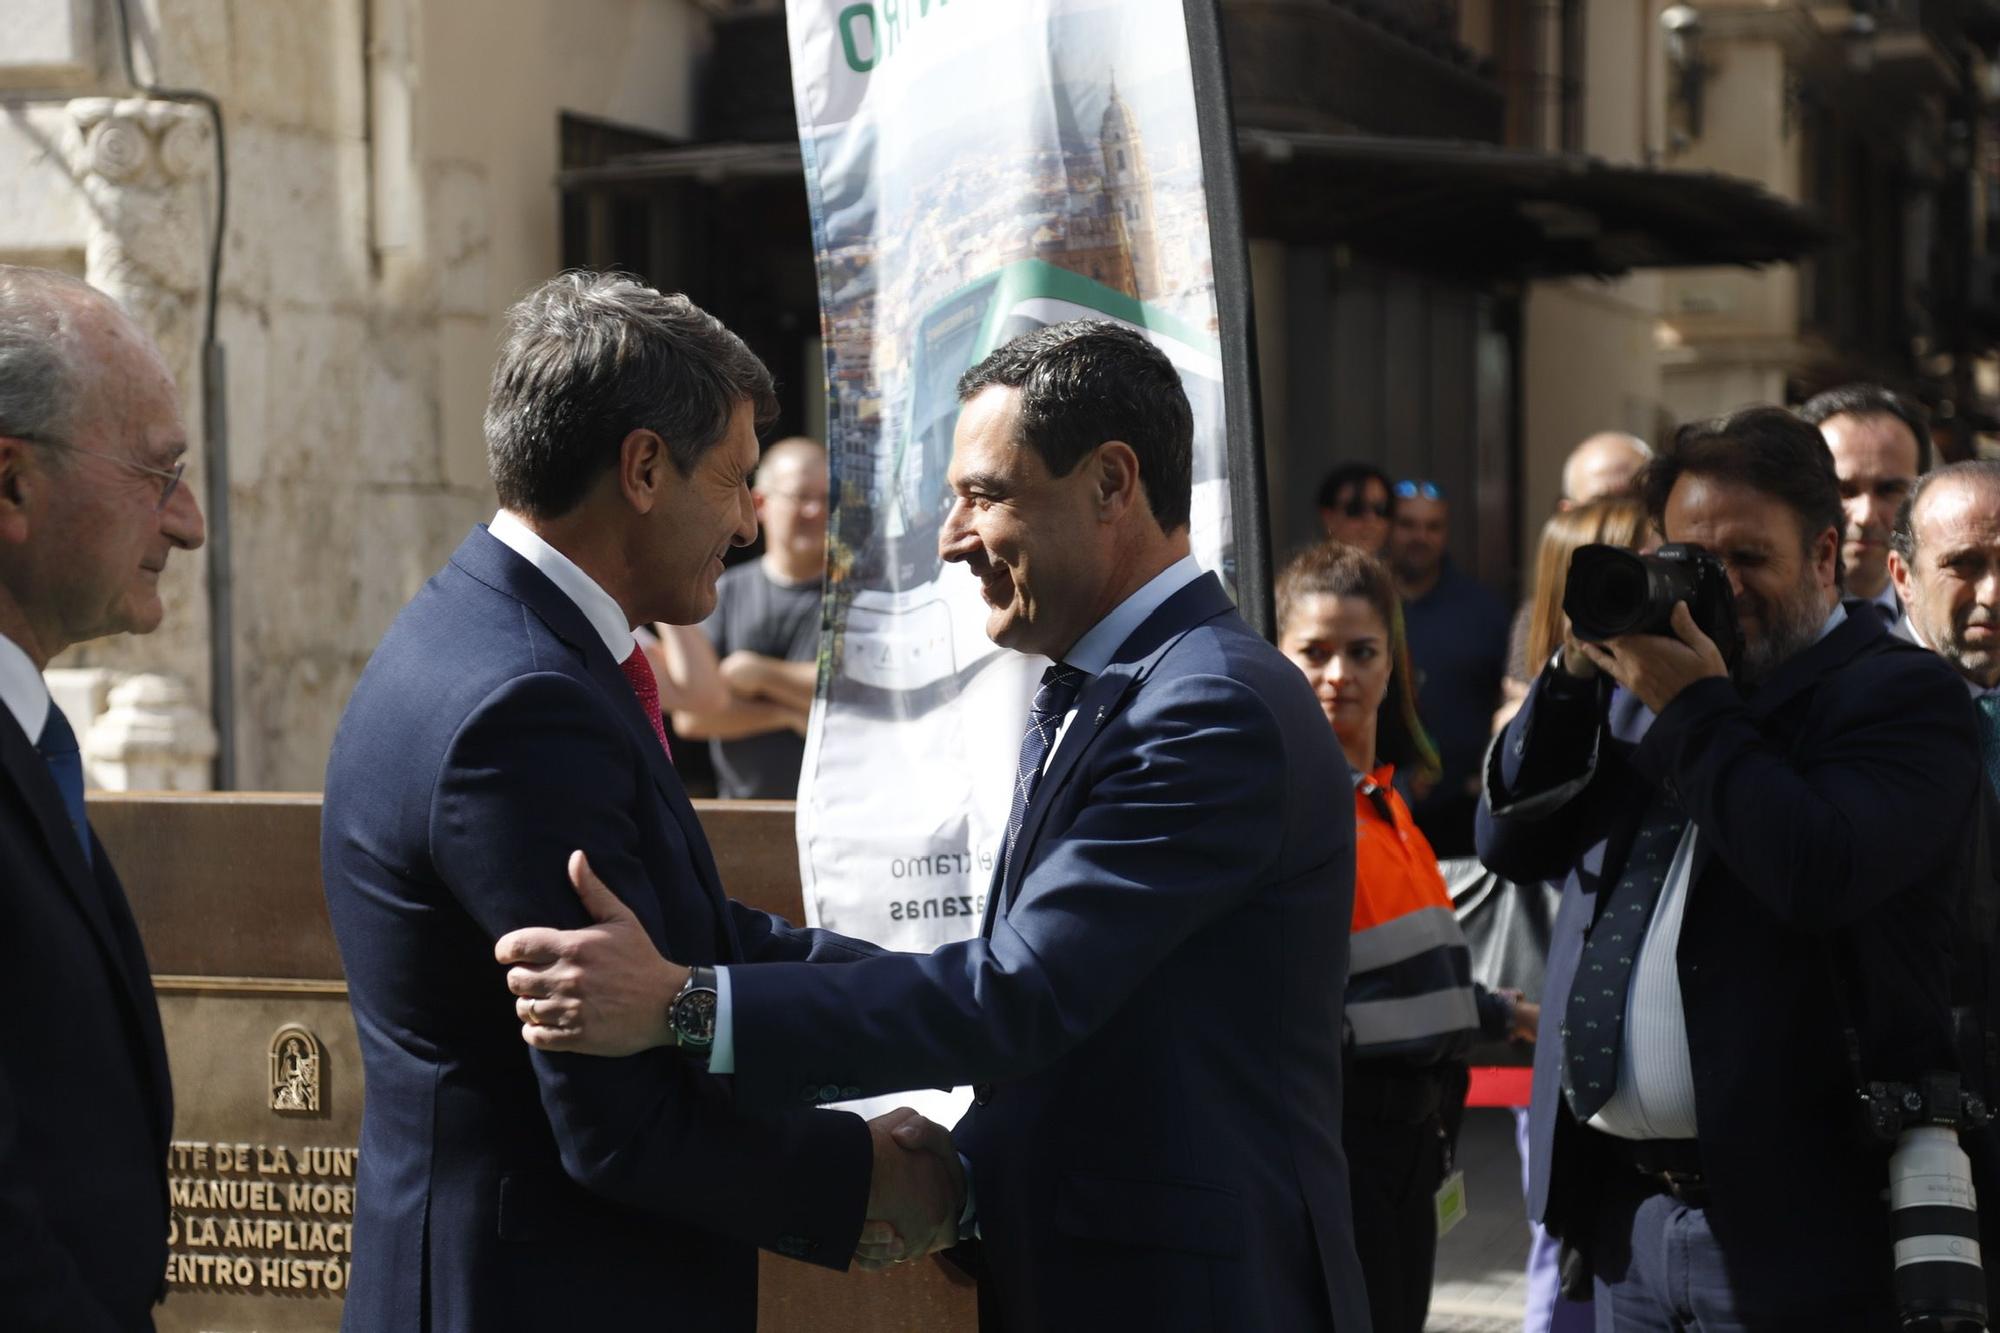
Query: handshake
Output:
(916,1191)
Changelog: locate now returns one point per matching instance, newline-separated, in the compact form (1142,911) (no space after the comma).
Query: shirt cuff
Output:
(722,1055)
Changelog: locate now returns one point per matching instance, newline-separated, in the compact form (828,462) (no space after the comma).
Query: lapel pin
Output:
(1100,716)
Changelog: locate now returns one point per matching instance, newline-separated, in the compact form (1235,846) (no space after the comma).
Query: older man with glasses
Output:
(91,507)
(1457,633)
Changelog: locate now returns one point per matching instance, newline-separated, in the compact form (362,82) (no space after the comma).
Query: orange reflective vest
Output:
(1409,982)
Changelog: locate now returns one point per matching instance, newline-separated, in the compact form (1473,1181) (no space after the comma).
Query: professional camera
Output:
(1933,1211)
(1613,591)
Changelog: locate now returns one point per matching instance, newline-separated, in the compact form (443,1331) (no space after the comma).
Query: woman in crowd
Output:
(1412,1007)
(1356,505)
(1538,630)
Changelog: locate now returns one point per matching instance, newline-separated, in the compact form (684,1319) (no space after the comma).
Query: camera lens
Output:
(1607,592)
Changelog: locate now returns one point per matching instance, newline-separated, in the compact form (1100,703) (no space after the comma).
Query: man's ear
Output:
(643,468)
(1899,576)
(1115,469)
(20,484)
(1826,553)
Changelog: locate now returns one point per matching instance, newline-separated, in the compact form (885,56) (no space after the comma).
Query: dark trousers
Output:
(1395,1169)
(1659,1270)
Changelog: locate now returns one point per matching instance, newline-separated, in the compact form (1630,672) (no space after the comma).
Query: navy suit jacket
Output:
(1155,1006)
(501,1188)
(1828,803)
(85,1103)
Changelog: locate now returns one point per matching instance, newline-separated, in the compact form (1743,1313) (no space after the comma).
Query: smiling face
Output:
(1875,457)
(1342,646)
(1034,541)
(1417,538)
(700,517)
(98,537)
(1952,587)
(1784,585)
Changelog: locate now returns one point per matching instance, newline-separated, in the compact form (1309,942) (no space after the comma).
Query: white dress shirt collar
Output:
(1094,651)
(598,606)
(22,689)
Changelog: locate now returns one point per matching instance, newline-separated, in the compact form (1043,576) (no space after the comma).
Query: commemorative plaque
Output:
(267,1068)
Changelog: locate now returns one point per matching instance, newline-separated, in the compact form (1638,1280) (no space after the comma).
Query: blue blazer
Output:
(1827,804)
(501,1188)
(1153,1011)
(85,1104)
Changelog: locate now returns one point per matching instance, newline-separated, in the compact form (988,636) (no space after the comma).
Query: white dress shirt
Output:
(1091,654)
(22,690)
(598,606)
(1655,1094)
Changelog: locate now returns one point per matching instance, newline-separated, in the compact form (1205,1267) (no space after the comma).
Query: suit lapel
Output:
(30,775)
(1100,700)
(92,894)
(491,561)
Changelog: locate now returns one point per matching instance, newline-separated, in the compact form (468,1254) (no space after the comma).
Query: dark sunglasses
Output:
(1357,506)
(1419,490)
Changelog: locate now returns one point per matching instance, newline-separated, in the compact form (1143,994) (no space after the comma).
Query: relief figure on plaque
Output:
(295,1066)
(92,508)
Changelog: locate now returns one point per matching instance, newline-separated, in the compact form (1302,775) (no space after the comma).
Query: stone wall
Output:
(391,170)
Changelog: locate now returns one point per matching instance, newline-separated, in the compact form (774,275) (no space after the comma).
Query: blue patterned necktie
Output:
(57,746)
(1058,691)
(1594,1023)
(1989,736)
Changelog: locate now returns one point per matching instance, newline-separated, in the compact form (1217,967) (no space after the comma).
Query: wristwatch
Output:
(691,1014)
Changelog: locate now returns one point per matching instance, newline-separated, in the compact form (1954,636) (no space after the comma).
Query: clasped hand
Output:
(604,990)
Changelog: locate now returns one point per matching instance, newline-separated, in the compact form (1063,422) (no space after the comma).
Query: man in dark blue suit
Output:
(91,506)
(507,717)
(1753,865)
(1151,1014)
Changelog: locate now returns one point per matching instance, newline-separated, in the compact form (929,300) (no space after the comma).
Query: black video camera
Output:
(1612,591)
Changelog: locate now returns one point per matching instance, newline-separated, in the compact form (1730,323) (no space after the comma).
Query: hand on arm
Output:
(916,1191)
(738,718)
(601,990)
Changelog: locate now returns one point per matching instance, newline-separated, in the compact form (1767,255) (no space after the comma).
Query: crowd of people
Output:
(1217,1014)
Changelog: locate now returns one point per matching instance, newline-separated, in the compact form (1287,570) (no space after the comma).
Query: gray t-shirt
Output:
(754,613)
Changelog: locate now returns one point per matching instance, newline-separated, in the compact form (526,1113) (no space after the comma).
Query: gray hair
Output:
(591,357)
(45,361)
(1976,471)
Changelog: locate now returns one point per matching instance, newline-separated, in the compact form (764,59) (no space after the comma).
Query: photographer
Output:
(1751,854)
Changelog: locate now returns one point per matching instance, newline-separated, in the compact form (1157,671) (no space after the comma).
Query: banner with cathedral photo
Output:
(978,168)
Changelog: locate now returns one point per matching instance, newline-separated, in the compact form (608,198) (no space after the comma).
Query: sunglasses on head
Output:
(1419,490)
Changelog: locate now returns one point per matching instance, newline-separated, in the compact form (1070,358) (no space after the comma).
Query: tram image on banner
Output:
(901,636)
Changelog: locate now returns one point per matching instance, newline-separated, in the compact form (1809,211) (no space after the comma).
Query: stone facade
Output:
(391,170)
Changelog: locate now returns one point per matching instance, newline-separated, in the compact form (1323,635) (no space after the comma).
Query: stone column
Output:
(146,169)
(150,738)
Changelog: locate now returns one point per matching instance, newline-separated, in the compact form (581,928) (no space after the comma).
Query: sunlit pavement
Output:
(1481,1264)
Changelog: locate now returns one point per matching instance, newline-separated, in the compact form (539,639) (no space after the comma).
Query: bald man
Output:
(92,505)
(1603,466)
(746,674)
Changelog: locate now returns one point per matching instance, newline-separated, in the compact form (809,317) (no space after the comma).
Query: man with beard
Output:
(1744,880)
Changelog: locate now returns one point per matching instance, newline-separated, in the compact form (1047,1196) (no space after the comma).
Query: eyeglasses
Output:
(171,475)
(1419,490)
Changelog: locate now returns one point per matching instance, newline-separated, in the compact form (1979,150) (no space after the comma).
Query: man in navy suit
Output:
(1151,1014)
(1753,866)
(507,717)
(91,506)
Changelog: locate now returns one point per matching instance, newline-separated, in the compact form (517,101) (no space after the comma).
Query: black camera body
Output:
(1612,591)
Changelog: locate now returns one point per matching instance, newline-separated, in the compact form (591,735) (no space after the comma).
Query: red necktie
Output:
(640,672)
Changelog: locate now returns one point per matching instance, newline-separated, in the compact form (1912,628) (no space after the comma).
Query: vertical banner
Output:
(978,169)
